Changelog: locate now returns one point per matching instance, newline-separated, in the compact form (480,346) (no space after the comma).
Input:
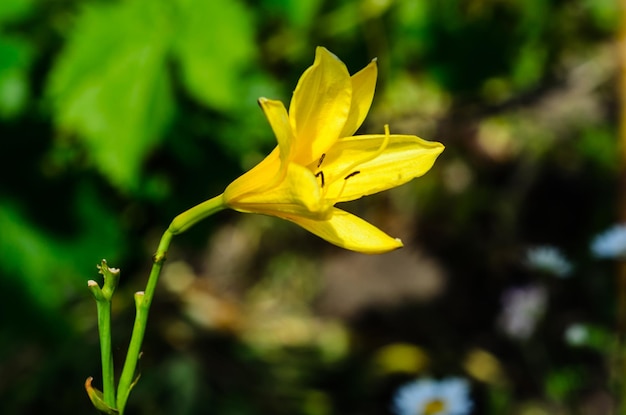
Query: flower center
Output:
(434,407)
(349,171)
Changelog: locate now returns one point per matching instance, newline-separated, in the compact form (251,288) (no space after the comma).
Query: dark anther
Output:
(319,163)
(354,173)
(320,174)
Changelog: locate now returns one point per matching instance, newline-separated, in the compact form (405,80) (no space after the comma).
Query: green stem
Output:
(143,300)
(104,330)
(194,215)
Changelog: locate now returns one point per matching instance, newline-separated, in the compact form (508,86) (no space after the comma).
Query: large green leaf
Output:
(110,85)
(214,42)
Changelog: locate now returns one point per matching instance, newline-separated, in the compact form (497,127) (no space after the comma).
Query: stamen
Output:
(319,163)
(369,157)
(320,174)
(345,180)
(350,170)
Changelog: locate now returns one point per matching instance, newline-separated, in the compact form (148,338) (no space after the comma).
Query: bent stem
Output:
(143,299)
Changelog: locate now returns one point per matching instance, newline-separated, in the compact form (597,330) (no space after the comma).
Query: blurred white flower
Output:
(548,259)
(610,243)
(576,335)
(522,307)
(430,397)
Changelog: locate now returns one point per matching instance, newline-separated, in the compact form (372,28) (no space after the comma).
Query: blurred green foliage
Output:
(117,115)
(120,94)
(16,55)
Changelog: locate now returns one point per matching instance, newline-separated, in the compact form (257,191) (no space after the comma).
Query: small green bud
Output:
(95,290)
(139,295)
(111,279)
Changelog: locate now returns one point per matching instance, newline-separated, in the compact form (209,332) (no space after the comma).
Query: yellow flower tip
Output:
(321,50)
(395,244)
(389,246)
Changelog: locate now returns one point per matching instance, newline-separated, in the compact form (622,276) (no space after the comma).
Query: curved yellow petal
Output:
(264,175)
(350,232)
(297,194)
(404,158)
(277,116)
(319,107)
(363,85)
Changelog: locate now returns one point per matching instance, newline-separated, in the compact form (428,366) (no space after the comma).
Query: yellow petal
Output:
(363,85)
(297,194)
(261,177)
(405,158)
(278,118)
(320,106)
(350,232)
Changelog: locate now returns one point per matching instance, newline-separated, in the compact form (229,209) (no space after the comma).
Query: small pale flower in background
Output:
(611,243)
(548,259)
(576,335)
(597,337)
(430,397)
(522,308)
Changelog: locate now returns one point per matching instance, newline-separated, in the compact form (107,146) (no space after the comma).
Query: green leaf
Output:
(11,10)
(110,86)
(15,59)
(604,13)
(49,267)
(529,65)
(34,258)
(299,13)
(214,43)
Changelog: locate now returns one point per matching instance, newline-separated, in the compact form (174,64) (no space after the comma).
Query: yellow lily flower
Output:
(319,163)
